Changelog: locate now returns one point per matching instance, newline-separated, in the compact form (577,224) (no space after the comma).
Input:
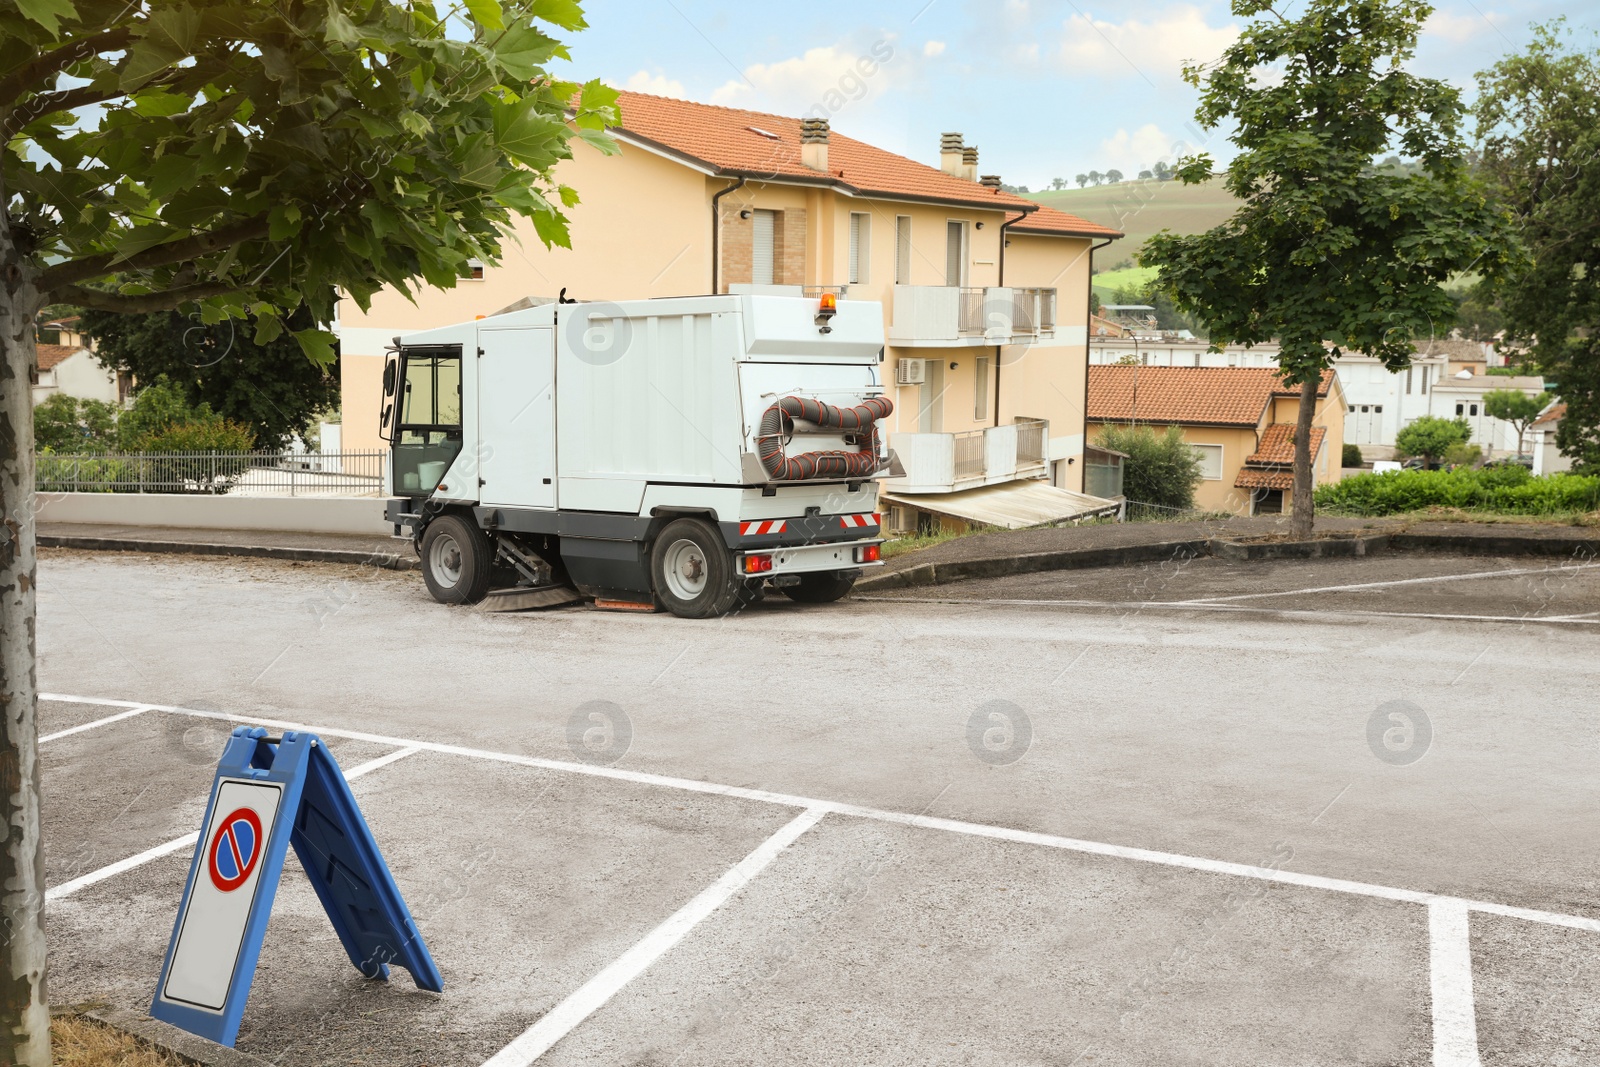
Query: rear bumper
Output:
(808,559)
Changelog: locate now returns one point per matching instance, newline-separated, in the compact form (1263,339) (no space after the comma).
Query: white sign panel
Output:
(211,929)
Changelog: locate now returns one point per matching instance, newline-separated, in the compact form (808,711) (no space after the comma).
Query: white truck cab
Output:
(688,452)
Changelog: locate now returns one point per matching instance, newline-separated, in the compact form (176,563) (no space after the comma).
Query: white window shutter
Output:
(761,249)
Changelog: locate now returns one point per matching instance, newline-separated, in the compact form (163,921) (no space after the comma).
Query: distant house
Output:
(1460,396)
(67,364)
(1239,420)
(1547,457)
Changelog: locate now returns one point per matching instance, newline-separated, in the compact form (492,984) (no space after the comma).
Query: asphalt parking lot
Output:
(1096,817)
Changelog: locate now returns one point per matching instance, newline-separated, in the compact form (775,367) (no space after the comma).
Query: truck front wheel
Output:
(692,570)
(457,560)
(823,588)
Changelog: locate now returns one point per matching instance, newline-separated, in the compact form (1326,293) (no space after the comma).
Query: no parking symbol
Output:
(235,850)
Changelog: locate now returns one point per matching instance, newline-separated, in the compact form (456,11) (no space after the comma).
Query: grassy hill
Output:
(1109,282)
(1143,208)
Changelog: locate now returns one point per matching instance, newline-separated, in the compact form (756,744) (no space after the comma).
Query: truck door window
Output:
(428,424)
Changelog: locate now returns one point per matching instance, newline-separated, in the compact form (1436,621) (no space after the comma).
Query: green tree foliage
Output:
(163,420)
(269,387)
(1326,253)
(1161,468)
(66,424)
(1351,456)
(1431,437)
(1539,119)
(1515,407)
(252,157)
(1479,315)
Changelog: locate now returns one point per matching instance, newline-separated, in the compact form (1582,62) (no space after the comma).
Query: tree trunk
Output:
(1304,517)
(24,1010)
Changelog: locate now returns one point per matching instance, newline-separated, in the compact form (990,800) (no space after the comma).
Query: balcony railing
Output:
(951,315)
(950,462)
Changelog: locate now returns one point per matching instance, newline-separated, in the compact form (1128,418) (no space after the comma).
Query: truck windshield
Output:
(428,418)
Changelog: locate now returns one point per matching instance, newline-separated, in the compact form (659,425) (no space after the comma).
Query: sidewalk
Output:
(386,552)
(1116,544)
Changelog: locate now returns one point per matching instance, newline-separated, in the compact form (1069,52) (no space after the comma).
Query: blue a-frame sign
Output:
(270,793)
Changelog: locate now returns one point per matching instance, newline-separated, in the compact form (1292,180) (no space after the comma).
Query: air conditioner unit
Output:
(910,371)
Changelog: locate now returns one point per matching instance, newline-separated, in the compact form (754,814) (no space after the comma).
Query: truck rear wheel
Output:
(692,570)
(822,588)
(457,560)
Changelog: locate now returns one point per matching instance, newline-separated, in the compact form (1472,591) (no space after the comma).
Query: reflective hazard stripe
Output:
(769,526)
(869,519)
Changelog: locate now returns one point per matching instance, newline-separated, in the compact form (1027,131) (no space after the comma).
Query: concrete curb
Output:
(1336,547)
(384,560)
(180,1043)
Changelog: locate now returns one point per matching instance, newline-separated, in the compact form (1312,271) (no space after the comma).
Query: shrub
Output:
(1160,469)
(66,424)
(1510,489)
(161,420)
(1431,437)
(1352,455)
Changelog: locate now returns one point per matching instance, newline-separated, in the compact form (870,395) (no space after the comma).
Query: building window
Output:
(474,270)
(1210,457)
(762,244)
(980,391)
(1377,409)
(860,234)
(1408,381)
(1425,381)
(1474,409)
(902,249)
(1352,409)
(955,253)
(1461,409)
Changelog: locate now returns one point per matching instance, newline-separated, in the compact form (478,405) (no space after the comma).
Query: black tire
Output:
(823,588)
(457,560)
(692,571)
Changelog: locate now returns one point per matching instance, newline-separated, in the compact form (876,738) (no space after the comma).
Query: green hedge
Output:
(1510,490)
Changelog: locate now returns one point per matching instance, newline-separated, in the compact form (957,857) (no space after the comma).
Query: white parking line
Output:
(1398,581)
(83,881)
(109,719)
(1455,1022)
(1450,949)
(593,994)
(1000,833)
(1195,605)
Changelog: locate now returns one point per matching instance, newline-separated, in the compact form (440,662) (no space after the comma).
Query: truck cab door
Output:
(517,417)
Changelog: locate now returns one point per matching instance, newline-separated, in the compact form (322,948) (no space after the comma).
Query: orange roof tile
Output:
(1259,478)
(1047,220)
(50,355)
(1208,396)
(1555,414)
(1277,445)
(735,142)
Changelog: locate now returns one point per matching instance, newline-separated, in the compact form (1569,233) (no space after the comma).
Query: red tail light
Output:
(869,553)
(757,564)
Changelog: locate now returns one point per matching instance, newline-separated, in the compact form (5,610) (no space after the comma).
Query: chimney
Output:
(814,144)
(950,153)
(992,181)
(969,163)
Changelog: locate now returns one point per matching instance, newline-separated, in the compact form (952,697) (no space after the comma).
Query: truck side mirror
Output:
(388,378)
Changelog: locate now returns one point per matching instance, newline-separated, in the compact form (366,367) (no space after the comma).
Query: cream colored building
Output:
(1239,420)
(985,294)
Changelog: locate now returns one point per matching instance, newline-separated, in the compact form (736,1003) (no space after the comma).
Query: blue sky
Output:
(1044,88)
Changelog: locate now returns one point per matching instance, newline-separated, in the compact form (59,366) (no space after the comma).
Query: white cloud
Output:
(822,81)
(1132,152)
(1458,28)
(933,48)
(655,84)
(1156,49)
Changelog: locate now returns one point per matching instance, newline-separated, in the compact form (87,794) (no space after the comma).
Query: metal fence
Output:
(970,449)
(238,473)
(1139,511)
(1030,441)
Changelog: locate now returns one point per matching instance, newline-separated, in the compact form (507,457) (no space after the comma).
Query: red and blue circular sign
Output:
(235,849)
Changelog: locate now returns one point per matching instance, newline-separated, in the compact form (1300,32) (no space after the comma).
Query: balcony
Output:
(951,462)
(947,316)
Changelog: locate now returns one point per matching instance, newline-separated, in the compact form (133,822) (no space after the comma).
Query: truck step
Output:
(624,605)
(523,598)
